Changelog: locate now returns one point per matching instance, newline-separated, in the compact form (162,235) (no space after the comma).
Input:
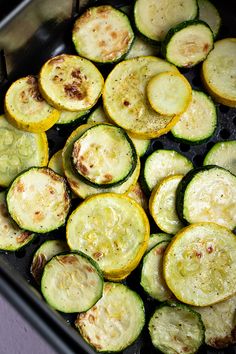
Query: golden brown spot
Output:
(107,178)
(198,254)
(22,237)
(108,28)
(102,43)
(70,259)
(223,342)
(89,269)
(76,74)
(97,255)
(91,318)
(81,167)
(37,266)
(126,103)
(24,97)
(159,250)
(209,249)
(73,91)
(206,47)
(52,174)
(56,60)
(3,210)
(31,80)
(20,187)
(38,216)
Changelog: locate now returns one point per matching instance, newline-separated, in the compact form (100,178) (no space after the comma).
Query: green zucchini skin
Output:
(183,186)
(187,309)
(123,179)
(171,33)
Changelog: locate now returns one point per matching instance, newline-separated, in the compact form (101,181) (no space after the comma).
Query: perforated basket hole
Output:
(184,147)
(224,109)
(234,121)
(156,145)
(20,253)
(198,160)
(225,134)
(210,145)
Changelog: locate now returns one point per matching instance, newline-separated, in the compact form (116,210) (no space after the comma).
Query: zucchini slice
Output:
(26,109)
(198,123)
(12,238)
(82,189)
(115,322)
(104,156)
(71,282)
(19,150)
(99,116)
(208,194)
(125,101)
(69,82)
(222,154)
(188,43)
(38,200)
(220,323)
(44,253)
(138,195)
(153,19)
(67,117)
(164,163)
(141,47)
(55,163)
(169,93)
(176,328)
(199,264)
(152,279)
(218,72)
(102,34)
(99,227)
(209,14)
(157,238)
(162,205)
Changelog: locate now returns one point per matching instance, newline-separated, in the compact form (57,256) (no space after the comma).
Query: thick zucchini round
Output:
(169,93)
(26,109)
(152,279)
(140,47)
(208,194)
(199,264)
(153,19)
(19,151)
(102,34)
(209,14)
(125,101)
(82,189)
(176,328)
(162,205)
(157,238)
(220,323)
(115,322)
(99,227)
(12,238)
(72,282)
(67,117)
(44,253)
(104,156)
(164,163)
(38,200)
(188,43)
(218,72)
(222,154)
(198,123)
(69,82)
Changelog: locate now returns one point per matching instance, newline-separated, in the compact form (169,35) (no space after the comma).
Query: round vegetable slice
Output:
(72,282)
(199,264)
(198,123)
(104,156)
(67,117)
(19,150)
(102,34)
(188,43)
(70,82)
(169,93)
(99,227)
(79,187)
(44,253)
(152,279)
(176,328)
(140,48)
(162,205)
(209,14)
(222,154)
(220,323)
(153,19)
(26,109)
(164,163)
(115,321)
(12,238)
(208,194)
(218,72)
(157,238)
(38,200)
(125,101)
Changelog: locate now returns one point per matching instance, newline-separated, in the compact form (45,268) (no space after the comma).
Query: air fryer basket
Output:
(48,26)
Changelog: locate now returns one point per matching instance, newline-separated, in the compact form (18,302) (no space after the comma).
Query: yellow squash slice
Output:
(26,109)
(200,264)
(112,229)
